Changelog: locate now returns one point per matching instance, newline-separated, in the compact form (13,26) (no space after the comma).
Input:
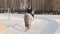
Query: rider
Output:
(29,10)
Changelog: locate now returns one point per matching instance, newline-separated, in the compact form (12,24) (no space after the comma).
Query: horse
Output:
(28,18)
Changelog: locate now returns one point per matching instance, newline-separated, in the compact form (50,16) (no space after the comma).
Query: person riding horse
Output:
(28,17)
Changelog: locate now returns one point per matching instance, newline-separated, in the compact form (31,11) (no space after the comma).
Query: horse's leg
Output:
(26,25)
(30,20)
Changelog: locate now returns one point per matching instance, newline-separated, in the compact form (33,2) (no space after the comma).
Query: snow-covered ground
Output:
(42,24)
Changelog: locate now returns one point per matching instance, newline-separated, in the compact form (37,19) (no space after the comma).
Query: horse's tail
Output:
(28,19)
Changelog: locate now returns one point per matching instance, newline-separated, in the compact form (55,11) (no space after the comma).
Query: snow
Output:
(42,24)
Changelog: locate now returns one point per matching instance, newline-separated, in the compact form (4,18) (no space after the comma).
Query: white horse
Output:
(28,18)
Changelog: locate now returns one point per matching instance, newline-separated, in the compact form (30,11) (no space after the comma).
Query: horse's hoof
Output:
(26,29)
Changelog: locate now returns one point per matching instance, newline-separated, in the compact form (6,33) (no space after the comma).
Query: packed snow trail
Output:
(43,24)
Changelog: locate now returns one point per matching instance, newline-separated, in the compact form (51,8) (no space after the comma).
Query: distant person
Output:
(29,10)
